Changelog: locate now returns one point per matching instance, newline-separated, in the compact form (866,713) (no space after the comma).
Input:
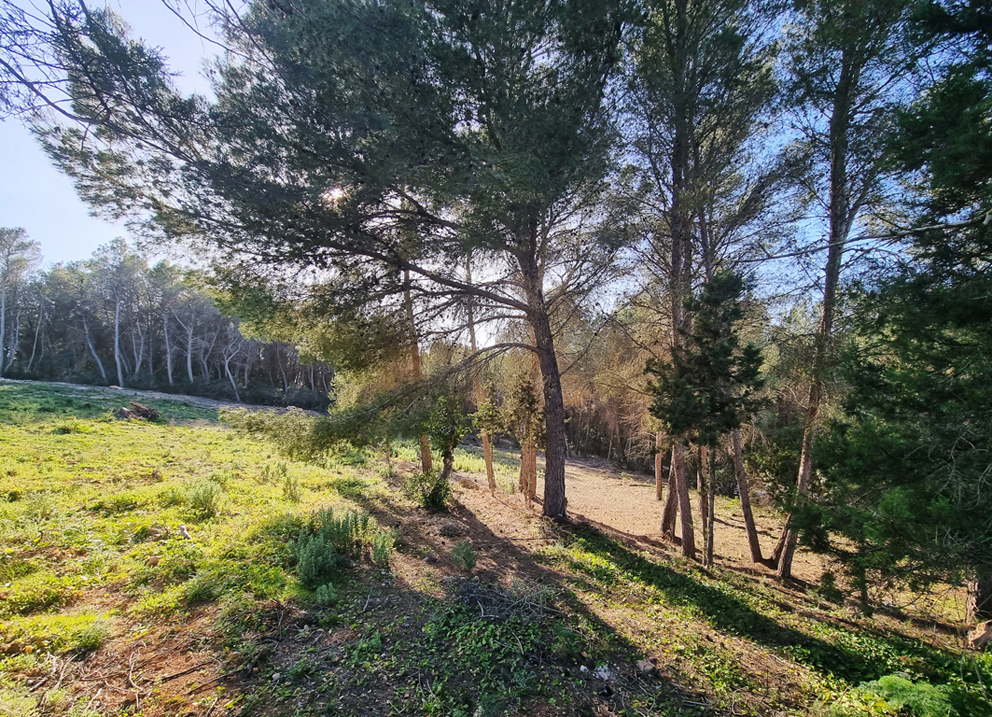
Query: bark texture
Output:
(980,599)
(745,493)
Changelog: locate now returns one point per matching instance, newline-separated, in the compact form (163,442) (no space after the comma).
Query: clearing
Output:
(106,608)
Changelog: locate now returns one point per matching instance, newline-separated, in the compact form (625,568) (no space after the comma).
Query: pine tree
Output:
(710,386)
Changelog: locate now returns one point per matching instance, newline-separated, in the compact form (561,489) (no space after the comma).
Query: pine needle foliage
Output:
(711,384)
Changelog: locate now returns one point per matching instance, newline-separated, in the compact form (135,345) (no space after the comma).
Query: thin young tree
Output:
(710,386)
(845,61)
(700,99)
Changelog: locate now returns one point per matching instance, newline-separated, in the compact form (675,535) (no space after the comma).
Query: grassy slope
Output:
(104,608)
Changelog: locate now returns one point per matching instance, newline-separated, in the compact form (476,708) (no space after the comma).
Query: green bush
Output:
(204,499)
(382,546)
(464,557)
(317,561)
(291,489)
(332,539)
(349,533)
(204,587)
(90,637)
(326,595)
(431,491)
(920,699)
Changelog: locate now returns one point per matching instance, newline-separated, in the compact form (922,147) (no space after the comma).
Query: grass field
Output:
(322,589)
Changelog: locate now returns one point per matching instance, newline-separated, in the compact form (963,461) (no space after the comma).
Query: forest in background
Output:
(114,319)
(780,212)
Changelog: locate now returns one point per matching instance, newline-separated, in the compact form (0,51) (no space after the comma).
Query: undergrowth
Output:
(115,534)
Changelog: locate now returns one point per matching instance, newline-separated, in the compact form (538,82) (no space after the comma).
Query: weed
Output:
(81,633)
(300,669)
(118,503)
(291,489)
(90,637)
(464,557)
(382,547)
(173,495)
(204,499)
(204,587)
(73,426)
(317,560)
(431,491)
(35,592)
(326,595)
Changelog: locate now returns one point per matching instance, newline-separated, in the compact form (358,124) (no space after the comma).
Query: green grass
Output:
(313,611)
(730,628)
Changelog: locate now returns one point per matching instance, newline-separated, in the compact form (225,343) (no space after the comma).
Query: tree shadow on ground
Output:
(732,614)
(578,638)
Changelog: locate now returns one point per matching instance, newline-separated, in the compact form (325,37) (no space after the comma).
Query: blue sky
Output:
(35,196)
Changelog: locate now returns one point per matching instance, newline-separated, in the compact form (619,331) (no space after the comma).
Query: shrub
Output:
(431,491)
(204,587)
(917,698)
(173,495)
(332,539)
(90,637)
(382,546)
(203,499)
(291,489)
(326,595)
(464,557)
(316,560)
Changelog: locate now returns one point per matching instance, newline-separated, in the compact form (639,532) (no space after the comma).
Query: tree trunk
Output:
(487,449)
(702,453)
(554,404)
(37,331)
(685,505)
(980,599)
(230,375)
(659,465)
(745,492)
(426,460)
(282,370)
(840,225)
(670,508)
(89,343)
(528,469)
(3,322)
(710,517)
(447,464)
(117,342)
(387,451)
(168,347)
(15,339)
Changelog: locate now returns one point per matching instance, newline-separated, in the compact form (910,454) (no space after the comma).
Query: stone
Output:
(469,483)
(451,530)
(645,667)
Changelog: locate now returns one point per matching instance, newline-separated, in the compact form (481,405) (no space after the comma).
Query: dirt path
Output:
(601,493)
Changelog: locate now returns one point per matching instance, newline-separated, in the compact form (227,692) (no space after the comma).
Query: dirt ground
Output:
(600,493)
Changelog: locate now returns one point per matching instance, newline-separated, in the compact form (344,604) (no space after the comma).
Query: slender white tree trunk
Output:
(89,343)
(117,342)
(37,331)
(3,322)
(15,339)
(168,347)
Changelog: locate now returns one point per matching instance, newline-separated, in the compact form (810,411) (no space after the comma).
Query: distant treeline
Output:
(113,319)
